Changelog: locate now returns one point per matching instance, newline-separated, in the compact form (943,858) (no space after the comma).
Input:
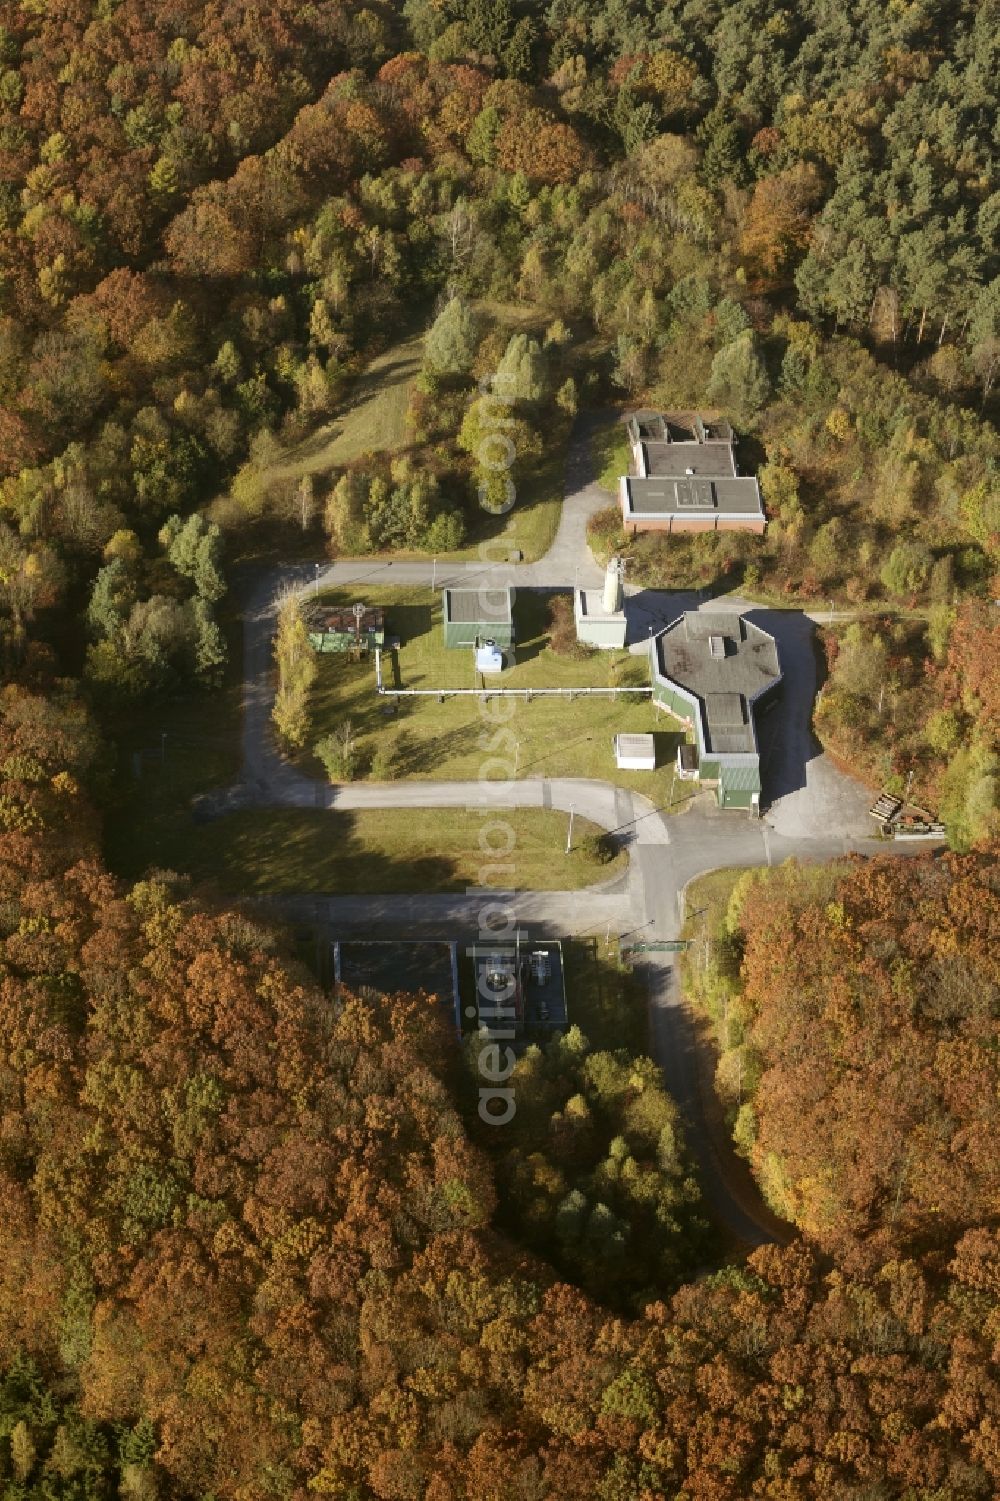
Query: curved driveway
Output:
(816,814)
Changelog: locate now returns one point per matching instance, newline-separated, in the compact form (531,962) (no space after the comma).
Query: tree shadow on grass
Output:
(604,999)
(532,622)
(426,754)
(408,622)
(292,850)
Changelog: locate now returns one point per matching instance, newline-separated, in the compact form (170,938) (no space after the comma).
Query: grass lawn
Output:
(711,965)
(372,419)
(612,454)
(450,739)
(530,527)
(385,850)
(707,899)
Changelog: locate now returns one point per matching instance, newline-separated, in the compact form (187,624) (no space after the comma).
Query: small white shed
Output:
(489,657)
(635,752)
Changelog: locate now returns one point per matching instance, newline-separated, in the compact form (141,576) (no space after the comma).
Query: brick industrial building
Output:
(686,479)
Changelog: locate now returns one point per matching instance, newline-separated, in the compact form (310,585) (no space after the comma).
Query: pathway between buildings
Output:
(817,813)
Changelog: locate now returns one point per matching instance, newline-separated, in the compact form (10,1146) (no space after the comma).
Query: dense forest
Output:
(249,1245)
(858,1011)
(248,1248)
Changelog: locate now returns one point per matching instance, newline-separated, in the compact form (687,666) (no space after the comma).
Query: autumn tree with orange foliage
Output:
(544,149)
(874,1022)
(778,219)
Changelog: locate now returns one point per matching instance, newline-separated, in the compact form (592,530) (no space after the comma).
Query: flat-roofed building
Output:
(635,752)
(596,625)
(686,478)
(473,615)
(600,613)
(715,670)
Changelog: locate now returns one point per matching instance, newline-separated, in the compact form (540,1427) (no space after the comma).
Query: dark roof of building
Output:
(661,496)
(650,426)
(711,459)
(690,465)
(491,606)
(725,661)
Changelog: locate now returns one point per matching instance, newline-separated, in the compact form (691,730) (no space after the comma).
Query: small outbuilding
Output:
(489,657)
(687,762)
(472,616)
(635,752)
(600,613)
(347,628)
(595,625)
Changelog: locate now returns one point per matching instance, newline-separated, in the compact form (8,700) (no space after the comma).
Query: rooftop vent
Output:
(717,646)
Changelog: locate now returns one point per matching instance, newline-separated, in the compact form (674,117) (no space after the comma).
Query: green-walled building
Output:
(473,615)
(715,670)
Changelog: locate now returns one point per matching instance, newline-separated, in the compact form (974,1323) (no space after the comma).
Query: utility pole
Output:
(316,581)
(163,747)
(434,574)
(569,834)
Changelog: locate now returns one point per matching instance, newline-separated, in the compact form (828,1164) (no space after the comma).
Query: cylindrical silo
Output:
(613,588)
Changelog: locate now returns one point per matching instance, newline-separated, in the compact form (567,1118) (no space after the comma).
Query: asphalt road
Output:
(815,813)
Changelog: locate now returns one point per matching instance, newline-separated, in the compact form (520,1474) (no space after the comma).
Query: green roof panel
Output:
(740,778)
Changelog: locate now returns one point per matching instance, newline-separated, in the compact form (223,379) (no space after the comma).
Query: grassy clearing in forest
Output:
(607,1002)
(165,754)
(372,418)
(428,738)
(611,454)
(531,526)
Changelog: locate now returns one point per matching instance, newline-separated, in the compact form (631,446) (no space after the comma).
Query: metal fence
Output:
(527,693)
(486,691)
